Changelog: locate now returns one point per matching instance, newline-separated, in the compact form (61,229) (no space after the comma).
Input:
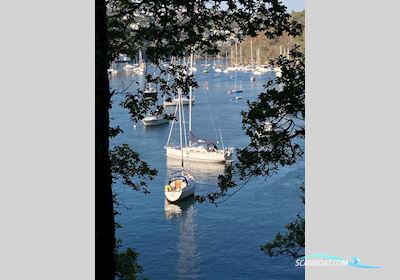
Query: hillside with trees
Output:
(269,49)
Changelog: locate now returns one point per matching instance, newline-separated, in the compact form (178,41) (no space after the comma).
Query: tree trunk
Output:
(105,230)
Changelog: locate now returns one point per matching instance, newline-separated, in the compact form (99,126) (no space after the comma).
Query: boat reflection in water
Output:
(185,211)
(204,172)
(178,208)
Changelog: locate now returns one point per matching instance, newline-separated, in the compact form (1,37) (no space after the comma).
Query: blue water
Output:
(201,241)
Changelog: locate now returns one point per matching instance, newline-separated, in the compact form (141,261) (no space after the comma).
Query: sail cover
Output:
(196,141)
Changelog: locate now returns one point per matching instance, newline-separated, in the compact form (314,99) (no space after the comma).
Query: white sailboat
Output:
(150,91)
(236,89)
(175,101)
(226,62)
(182,183)
(217,67)
(140,68)
(113,69)
(153,120)
(198,149)
(257,70)
(278,71)
(193,67)
(205,71)
(157,118)
(128,67)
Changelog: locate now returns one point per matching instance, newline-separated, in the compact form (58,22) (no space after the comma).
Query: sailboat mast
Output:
(180,122)
(235,80)
(251,52)
(226,58)
(231,54)
(236,53)
(190,97)
(241,62)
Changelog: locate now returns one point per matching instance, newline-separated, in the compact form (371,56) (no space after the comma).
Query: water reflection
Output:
(178,208)
(187,248)
(203,172)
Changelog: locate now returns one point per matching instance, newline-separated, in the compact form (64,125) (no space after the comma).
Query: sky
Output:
(296,5)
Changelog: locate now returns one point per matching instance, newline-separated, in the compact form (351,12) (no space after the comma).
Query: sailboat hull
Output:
(199,154)
(151,121)
(172,194)
(175,102)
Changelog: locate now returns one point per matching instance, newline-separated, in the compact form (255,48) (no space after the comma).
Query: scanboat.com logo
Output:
(329,260)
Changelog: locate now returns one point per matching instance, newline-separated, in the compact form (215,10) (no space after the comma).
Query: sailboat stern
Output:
(179,188)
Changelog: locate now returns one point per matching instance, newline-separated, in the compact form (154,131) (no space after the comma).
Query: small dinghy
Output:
(238,97)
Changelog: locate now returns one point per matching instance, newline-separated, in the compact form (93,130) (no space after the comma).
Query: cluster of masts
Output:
(230,64)
(192,149)
(181,184)
(129,66)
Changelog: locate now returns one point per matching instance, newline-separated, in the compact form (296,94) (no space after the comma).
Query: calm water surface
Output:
(201,241)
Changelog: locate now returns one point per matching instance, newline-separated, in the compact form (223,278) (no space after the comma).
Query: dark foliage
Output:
(127,167)
(126,263)
(291,243)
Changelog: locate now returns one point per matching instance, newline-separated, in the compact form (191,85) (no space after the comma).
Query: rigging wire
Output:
(211,113)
